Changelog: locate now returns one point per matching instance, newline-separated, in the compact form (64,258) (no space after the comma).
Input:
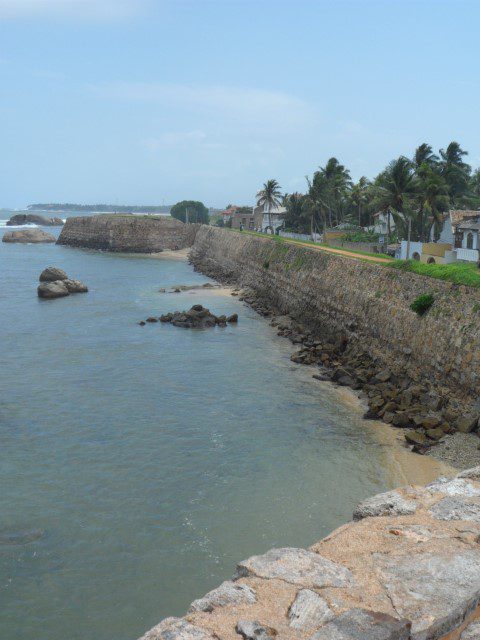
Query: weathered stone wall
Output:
(127,233)
(406,568)
(367,303)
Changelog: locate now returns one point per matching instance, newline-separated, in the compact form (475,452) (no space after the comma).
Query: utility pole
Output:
(186,215)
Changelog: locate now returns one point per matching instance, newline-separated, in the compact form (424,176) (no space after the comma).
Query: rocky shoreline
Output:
(434,418)
(426,414)
(406,568)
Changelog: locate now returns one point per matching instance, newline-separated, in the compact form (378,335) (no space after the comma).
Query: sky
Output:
(155,101)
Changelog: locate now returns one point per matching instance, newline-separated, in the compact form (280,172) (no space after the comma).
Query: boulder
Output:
(227,593)
(390,503)
(435,590)
(472,632)
(51,290)
(309,611)
(296,566)
(33,218)
(51,274)
(197,317)
(456,508)
(473,473)
(360,624)
(416,437)
(178,629)
(75,286)
(27,236)
(233,318)
(467,423)
(253,630)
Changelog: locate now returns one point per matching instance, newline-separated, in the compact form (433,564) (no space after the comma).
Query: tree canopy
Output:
(195,210)
(415,191)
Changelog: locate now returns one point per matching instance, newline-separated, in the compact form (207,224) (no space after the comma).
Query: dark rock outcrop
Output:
(33,218)
(198,317)
(51,290)
(55,283)
(127,233)
(28,236)
(50,274)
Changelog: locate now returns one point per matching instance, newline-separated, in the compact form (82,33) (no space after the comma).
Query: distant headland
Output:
(104,208)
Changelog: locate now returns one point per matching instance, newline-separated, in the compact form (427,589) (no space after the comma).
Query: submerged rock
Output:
(21,537)
(197,317)
(27,236)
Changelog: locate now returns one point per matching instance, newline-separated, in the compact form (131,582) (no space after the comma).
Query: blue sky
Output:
(152,101)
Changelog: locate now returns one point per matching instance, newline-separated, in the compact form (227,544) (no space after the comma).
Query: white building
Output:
(263,218)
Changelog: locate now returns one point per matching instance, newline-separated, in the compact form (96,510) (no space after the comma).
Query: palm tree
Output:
(359,196)
(269,197)
(394,190)
(424,154)
(433,199)
(294,202)
(337,182)
(455,172)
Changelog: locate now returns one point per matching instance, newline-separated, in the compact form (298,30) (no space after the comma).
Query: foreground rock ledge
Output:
(407,568)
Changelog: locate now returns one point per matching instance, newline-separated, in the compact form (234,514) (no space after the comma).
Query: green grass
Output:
(310,242)
(466,273)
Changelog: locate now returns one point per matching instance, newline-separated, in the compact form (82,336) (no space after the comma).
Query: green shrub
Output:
(266,264)
(422,304)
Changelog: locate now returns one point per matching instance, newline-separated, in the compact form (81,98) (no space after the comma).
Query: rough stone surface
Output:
(335,296)
(51,274)
(472,474)
(296,566)
(436,591)
(178,629)
(27,236)
(472,632)
(51,290)
(385,504)
(455,487)
(359,624)
(33,218)
(253,630)
(75,286)
(228,593)
(309,611)
(127,233)
(456,508)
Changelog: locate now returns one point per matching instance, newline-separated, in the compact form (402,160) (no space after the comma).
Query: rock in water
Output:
(27,236)
(51,274)
(33,218)
(197,317)
(75,286)
(51,290)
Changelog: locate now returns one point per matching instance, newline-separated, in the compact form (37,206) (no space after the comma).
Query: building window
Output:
(416,255)
(470,241)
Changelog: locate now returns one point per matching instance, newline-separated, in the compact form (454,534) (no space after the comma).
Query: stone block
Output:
(360,624)
(227,593)
(390,503)
(309,611)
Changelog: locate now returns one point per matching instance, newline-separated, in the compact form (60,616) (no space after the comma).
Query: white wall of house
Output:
(474,240)
(415,247)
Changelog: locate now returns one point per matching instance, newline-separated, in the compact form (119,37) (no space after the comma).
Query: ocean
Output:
(139,464)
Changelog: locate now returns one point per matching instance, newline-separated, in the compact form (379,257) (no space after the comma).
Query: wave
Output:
(3,224)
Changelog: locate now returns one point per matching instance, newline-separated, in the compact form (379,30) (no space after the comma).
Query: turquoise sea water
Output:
(138,464)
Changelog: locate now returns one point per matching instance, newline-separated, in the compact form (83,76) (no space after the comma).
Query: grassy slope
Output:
(466,273)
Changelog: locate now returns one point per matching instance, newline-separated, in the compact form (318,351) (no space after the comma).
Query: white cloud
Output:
(264,107)
(71,9)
